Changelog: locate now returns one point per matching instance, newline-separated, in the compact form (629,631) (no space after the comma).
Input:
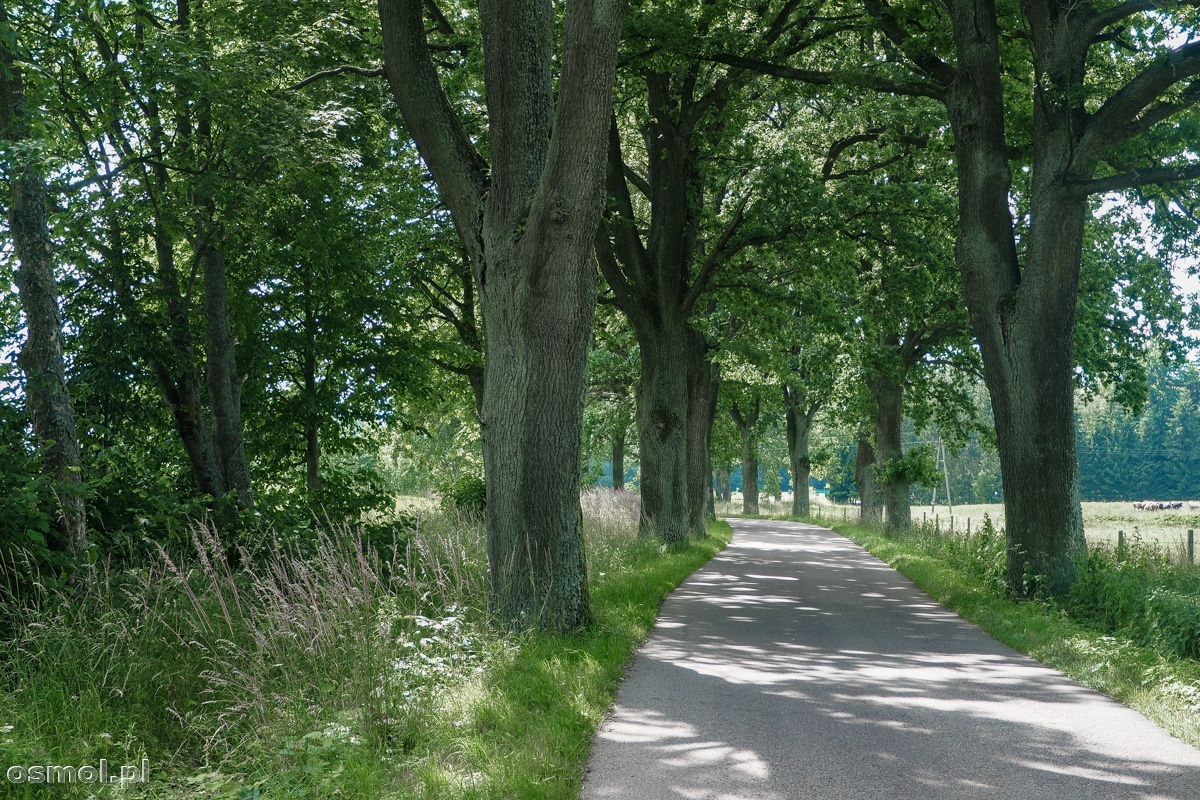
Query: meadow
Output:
(1102,521)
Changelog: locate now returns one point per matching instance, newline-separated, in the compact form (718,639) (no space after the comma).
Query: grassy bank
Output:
(1110,634)
(331,669)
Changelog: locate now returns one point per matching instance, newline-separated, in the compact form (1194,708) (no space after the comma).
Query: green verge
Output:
(1164,688)
(530,722)
(403,702)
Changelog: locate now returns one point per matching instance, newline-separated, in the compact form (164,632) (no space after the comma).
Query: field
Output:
(1101,521)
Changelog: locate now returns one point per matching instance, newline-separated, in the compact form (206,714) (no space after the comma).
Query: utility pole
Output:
(940,463)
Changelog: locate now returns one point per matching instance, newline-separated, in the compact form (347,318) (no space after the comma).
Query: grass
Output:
(1127,661)
(329,669)
(1101,521)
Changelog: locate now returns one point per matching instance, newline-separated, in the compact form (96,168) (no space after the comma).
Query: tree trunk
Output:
(870,512)
(662,412)
(41,356)
(702,382)
(618,460)
(312,418)
(747,424)
(723,490)
(177,376)
(224,383)
(800,414)
(532,250)
(1024,314)
(889,417)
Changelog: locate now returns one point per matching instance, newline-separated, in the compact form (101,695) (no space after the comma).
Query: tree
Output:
(41,358)
(695,186)
(526,221)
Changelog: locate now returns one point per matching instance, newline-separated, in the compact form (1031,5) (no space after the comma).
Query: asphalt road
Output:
(797,665)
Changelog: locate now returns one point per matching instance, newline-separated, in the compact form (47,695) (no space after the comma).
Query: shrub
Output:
(465,495)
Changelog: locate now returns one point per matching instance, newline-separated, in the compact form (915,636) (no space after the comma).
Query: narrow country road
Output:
(795,665)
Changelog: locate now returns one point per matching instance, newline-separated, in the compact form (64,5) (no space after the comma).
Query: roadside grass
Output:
(331,670)
(1133,657)
(1101,520)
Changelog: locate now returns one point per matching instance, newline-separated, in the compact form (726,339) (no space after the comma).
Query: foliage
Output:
(1139,593)
(466,494)
(917,466)
(332,674)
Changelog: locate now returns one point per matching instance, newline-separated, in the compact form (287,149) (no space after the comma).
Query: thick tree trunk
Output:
(800,413)
(41,357)
(224,382)
(662,414)
(702,382)
(618,460)
(747,424)
(723,490)
(1024,314)
(889,417)
(532,250)
(870,512)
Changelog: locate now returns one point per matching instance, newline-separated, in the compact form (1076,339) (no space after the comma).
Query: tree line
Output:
(246,238)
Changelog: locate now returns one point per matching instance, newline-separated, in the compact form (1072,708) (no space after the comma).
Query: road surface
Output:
(795,665)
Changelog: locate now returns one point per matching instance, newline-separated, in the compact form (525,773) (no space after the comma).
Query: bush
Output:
(1140,594)
(465,495)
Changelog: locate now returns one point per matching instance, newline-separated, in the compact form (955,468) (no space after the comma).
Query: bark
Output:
(222,378)
(800,413)
(889,395)
(747,424)
(1024,314)
(177,376)
(531,249)
(723,490)
(662,412)
(703,384)
(312,420)
(870,512)
(41,356)
(618,461)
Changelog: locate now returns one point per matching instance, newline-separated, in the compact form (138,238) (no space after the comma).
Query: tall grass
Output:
(199,665)
(329,667)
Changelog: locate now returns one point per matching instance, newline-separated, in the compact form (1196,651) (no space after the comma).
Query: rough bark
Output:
(703,384)
(222,378)
(870,511)
(312,420)
(177,375)
(723,490)
(618,461)
(889,417)
(747,424)
(41,356)
(528,226)
(1024,314)
(662,413)
(800,411)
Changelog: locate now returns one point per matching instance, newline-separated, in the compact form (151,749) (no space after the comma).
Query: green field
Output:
(1101,521)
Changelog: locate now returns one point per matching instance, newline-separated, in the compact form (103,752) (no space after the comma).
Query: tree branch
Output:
(1115,14)
(937,70)
(460,172)
(1117,120)
(817,78)
(370,72)
(1135,178)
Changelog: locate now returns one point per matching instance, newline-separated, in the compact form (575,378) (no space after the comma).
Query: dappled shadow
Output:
(796,665)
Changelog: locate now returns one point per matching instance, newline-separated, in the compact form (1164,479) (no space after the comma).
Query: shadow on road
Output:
(796,665)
